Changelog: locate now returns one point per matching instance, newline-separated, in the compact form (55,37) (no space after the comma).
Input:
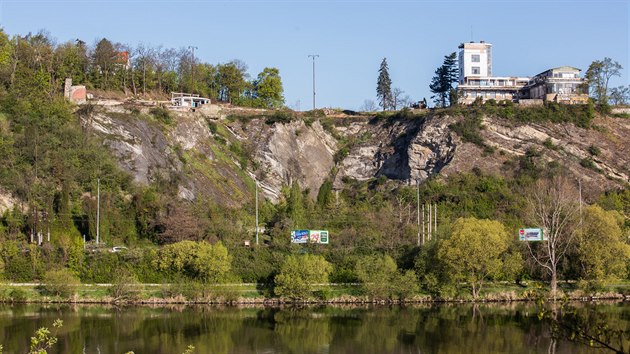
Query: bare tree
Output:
(146,57)
(552,205)
(368,106)
(396,97)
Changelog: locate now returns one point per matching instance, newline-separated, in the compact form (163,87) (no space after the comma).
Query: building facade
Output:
(562,84)
(476,80)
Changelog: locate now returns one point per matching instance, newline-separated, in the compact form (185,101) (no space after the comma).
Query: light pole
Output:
(192,68)
(313,56)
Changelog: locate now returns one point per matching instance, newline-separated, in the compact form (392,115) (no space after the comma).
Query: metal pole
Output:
(418,208)
(98,209)
(423,224)
(192,68)
(580,189)
(256,213)
(313,56)
(430,219)
(435,217)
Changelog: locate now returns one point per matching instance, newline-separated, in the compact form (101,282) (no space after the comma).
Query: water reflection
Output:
(479,328)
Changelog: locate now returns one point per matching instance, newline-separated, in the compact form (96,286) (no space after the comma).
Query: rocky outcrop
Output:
(202,153)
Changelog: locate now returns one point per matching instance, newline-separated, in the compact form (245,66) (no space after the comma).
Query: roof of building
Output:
(561,68)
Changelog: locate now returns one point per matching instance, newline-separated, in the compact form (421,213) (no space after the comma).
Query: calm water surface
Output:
(486,328)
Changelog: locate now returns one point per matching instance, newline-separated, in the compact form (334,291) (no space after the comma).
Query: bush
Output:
(281,117)
(60,282)
(594,150)
(161,114)
(381,280)
(299,273)
(17,295)
(124,287)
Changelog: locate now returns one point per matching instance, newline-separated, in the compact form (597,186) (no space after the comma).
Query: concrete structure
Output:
(181,99)
(562,84)
(499,88)
(475,60)
(75,93)
(476,80)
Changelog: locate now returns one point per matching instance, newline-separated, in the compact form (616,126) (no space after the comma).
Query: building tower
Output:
(475,60)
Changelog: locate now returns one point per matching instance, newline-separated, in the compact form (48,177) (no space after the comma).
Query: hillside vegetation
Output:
(178,190)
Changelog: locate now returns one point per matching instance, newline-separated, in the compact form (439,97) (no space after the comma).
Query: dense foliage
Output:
(53,166)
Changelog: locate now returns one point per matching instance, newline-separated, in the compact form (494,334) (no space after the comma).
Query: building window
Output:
(476,58)
(475,70)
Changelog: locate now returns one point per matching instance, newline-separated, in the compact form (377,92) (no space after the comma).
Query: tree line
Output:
(34,64)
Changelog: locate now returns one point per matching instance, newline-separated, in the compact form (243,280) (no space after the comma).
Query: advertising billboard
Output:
(309,236)
(531,234)
(318,236)
(299,236)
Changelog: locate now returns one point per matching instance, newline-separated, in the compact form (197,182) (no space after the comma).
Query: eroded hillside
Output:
(217,152)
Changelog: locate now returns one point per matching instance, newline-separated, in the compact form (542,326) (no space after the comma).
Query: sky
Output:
(350,37)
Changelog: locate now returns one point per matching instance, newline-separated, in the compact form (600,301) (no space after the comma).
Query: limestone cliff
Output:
(218,152)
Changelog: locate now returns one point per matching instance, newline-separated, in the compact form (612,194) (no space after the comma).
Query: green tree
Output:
(103,59)
(196,260)
(475,251)
(620,95)
(380,278)
(269,89)
(60,282)
(384,86)
(232,80)
(442,83)
(299,274)
(602,248)
(598,75)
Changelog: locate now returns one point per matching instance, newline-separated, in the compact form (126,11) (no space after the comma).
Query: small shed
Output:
(181,99)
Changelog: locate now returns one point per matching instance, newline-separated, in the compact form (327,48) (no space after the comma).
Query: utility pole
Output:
(580,189)
(192,67)
(418,208)
(98,209)
(435,217)
(256,212)
(313,56)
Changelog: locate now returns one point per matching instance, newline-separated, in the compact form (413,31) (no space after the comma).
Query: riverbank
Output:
(234,294)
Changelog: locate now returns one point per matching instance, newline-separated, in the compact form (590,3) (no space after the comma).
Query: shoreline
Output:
(276,302)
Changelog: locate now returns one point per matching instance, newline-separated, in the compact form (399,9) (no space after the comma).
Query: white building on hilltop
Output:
(562,84)
(476,80)
(475,60)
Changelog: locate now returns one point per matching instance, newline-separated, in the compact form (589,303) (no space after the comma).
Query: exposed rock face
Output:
(294,152)
(405,149)
(200,161)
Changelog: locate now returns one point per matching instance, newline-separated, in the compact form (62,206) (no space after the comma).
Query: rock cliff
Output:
(218,152)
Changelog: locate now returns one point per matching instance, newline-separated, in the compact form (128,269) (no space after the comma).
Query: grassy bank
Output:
(248,293)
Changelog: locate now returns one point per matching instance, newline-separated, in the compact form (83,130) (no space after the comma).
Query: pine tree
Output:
(442,83)
(384,86)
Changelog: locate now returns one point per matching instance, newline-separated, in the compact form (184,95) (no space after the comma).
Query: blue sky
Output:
(351,37)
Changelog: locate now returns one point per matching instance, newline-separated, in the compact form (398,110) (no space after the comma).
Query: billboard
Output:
(299,236)
(532,234)
(309,236)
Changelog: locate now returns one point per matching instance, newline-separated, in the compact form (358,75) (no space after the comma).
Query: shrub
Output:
(281,117)
(381,280)
(161,114)
(60,282)
(17,295)
(594,150)
(298,274)
(124,287)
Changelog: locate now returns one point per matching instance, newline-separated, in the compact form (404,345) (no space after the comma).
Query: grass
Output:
(491,291)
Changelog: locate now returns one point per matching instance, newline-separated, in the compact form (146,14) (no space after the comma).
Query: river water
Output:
(461,328)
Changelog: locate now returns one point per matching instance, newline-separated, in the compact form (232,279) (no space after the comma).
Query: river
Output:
(437,328)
